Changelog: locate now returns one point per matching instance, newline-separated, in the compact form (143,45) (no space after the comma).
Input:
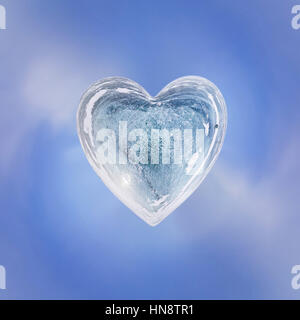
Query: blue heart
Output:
(152,152)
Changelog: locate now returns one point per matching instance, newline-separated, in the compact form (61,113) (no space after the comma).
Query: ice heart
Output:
(152,152)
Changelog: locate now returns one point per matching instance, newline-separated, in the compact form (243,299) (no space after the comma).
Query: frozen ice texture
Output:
(153,191)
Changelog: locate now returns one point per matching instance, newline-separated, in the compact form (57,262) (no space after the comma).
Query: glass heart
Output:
(152,152)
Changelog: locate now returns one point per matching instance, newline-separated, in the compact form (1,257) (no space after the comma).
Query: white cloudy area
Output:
(48,89)
(234,209)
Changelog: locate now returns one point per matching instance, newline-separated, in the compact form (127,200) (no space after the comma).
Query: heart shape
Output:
(152,152)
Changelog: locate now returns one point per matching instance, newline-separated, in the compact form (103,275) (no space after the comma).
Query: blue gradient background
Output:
(63,235)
